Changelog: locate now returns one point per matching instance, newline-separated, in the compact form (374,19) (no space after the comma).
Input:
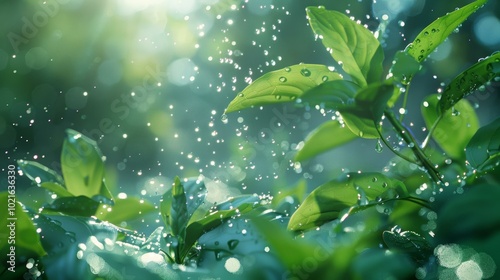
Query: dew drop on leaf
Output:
(379,147)
(282,79)
(224,119)
(305,72)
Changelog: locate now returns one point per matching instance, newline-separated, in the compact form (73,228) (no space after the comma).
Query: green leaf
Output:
(15,220)
(369,105)
(332,94)
(211,221)
(282,85)
(56,188)
(483,149)
(326,202)
(82,165)
(125,209)
(454,129)
(470,80)
(178,217)
(349,43)
(327,136)
(39,173)
(74,206)
(404,66)
(436,32)
(408,242)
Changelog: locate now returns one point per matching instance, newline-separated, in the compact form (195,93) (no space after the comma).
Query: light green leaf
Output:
(282,85)
(349,43)
(455,129)
(125,210)
(404,66)
(327,136)
(326,202)
(436,32)
(483,149)
(470,80)
(369,105)
(39,173)
(82,165)
(56,188)
(15,219)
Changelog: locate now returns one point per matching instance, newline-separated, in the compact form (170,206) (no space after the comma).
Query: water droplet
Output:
(420,57)
(282,79)
(224,119)
(433,30)
(426,33)
(288,69)
(417,41)
(241,95)
(278,97)
(305,72)
(455,112)
(361,133)
(379,147)
(324,79)
(232,244)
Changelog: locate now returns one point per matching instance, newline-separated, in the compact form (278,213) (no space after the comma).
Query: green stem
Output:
(404,133)
(434,125)
(405,101)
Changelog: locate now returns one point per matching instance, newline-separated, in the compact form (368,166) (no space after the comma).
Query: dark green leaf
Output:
(349,43)
(282,85)
(327,136)
(408,242)
(483,149)
(82,165)
(436,32)
(74,206)
(454,129)
(326,202)
(235,202)
(56,188)
(470,80)
(17,226)
(369,105)
(125,210)
(178,217)
(39,173)
(332,94)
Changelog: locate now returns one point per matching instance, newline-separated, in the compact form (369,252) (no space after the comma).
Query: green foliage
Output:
(483,148)
(350,44)
(452,130)
(436,32)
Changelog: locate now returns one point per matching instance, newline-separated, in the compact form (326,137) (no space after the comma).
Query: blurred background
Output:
(149,81)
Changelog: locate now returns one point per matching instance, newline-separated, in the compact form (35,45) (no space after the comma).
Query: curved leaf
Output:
(326,202)
(483,149)
(408,242)
(470,80)
(74,206)
(17,226)
(178,217)
(455,129)
(282,85)
(436,32)
(349,43)
(369,105)
(82,165)
(39,173)
(327,136)
(332,94)
(125,210)
(56,188)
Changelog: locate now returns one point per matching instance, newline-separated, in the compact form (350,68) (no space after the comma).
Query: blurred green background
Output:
(149,81)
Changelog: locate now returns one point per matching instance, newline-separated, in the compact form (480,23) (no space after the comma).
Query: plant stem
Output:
(405,100)
(404,133)
(392,149)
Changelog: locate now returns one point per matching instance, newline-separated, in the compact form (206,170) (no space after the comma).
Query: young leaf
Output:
(454,129)
(436,32)
(369,104)
(39,173)
(59,190)
(350,44)
(326,202)
(179,217)
(125,210)
(327,136)
(82,165)
(282,85)
(470,80)
(195,192)
(19,224)
(483,149)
